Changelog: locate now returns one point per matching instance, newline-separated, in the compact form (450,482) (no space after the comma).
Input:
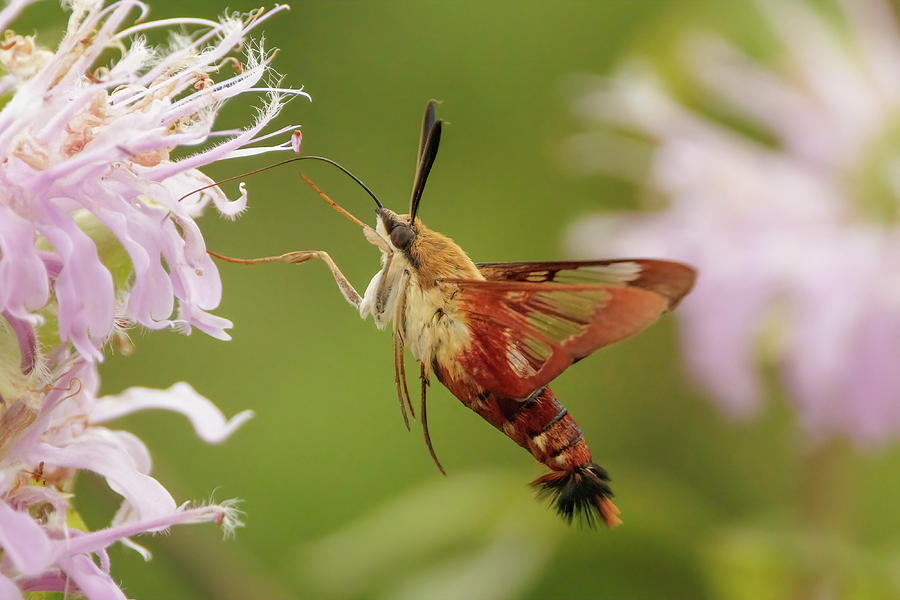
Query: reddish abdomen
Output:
(543,426)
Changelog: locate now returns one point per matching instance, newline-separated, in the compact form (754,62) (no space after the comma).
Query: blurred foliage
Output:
(341,501)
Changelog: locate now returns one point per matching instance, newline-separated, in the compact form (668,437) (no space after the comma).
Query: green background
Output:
(343,502)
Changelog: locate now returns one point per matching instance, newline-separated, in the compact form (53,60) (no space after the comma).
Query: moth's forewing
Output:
(524,334)
(670,279)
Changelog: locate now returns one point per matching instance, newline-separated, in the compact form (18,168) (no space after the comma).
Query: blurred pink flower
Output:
(797,240)
(97,234)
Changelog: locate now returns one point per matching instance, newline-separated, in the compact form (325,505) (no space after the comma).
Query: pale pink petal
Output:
(93,453)
(145,554)
(90,579)
(9,590)
(48,581)
(209,324)
(207,419)
(217,152)
(871,411)
(85,324)
(810,45)
(33,494)
(796,269)
(234,207)
(24,542)
(23,279)
(224,514)
(66,402)
(150,302)
(96,234)
(722,350)
(11,11)
(768,98)
(27,341)
(130,443)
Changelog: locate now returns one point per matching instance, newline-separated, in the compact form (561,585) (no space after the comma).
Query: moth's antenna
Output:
(285,162)
(427,153)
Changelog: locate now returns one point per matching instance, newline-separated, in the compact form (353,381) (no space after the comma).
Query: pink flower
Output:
(797,242)
(85,156)
(41,552)
(98,233)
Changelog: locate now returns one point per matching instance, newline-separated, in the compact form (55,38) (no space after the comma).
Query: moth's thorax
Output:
(432,328)
(431,325)
(439,257)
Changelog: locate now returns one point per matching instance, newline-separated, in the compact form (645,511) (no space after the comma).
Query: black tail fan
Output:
(582,492)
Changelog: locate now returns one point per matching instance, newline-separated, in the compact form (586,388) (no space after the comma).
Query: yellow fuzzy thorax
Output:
(439,257)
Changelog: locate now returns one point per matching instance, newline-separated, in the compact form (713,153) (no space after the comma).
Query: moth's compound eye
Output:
(402,236)
(387,219)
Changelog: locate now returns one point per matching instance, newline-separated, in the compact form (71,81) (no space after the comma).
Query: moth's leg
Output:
(399,343)
(351,295)
(403,379)
(398,360)
(380,296)
(424,418)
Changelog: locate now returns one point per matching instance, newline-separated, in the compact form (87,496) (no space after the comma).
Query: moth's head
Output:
(397,229)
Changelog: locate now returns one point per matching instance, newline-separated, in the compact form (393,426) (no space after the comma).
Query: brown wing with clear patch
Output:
(524,333)
(670,279)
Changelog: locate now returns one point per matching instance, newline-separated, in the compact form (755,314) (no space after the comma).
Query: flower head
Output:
(98,233)
(86,172)
(795,232)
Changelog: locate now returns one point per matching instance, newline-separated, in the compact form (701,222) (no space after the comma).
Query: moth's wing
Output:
(672,280)
(523,334)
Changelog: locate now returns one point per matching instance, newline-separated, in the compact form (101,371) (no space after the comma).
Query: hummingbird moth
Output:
(496,334)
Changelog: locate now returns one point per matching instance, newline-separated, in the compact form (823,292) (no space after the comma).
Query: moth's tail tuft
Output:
(582,491)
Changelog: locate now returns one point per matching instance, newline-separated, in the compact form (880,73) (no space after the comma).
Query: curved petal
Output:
(208,421)
(90,579)
(9,590)
(112,461)
(23,541)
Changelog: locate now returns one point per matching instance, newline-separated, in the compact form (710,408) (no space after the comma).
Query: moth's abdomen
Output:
(548,430)
(576,485)
(543,426)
